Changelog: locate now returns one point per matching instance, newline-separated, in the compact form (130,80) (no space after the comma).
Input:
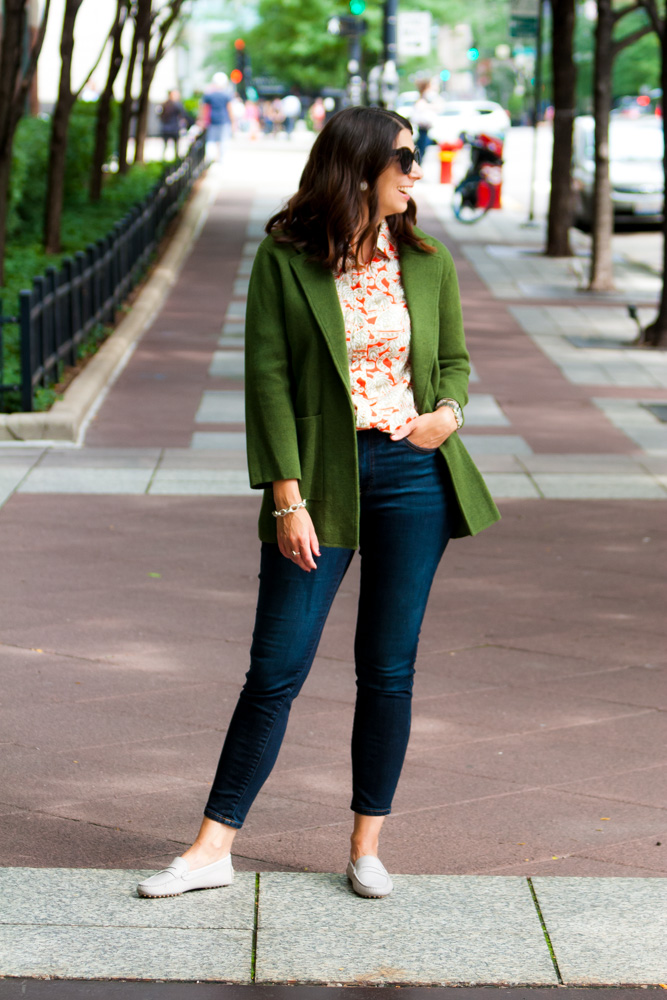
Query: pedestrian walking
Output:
(356,379)
(424,115)
(291,109)
(173,117)
(217,102)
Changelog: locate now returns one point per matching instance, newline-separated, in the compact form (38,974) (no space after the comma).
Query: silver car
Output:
(635,169)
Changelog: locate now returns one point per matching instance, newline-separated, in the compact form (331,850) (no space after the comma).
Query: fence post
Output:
(69,299)
(51,324)
(25,321)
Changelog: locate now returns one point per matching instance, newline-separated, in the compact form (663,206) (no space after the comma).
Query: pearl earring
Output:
(363,186)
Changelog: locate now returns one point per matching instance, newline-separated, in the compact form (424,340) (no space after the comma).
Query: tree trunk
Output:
(602,268)
(126,106)
(14,86)
(147,73)
(55,186)
(656,333)
(104,103)
(565,78)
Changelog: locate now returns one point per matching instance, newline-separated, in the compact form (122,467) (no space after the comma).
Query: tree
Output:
(149,46)
(564,87)
(138,12)
(656,333)
(105,99)
(607,48)
(154,46)
(16,74)
(55,186)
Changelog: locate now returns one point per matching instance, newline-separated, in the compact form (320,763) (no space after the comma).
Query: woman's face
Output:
(393,186)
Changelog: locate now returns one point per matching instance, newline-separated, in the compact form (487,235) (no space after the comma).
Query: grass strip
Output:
(253,960)
(545,931)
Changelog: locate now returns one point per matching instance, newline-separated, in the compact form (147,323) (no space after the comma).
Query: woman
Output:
(356,374)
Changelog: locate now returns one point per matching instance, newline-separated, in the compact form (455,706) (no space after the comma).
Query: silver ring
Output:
(295,553)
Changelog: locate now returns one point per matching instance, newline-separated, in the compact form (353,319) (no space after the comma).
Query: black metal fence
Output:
(66,305)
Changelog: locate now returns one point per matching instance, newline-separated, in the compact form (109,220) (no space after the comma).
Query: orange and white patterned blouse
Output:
(377,331)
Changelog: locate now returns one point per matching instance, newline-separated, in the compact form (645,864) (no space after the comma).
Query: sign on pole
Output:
(523,17)
(414,33)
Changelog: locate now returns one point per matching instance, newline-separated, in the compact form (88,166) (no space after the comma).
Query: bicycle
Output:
(479,190)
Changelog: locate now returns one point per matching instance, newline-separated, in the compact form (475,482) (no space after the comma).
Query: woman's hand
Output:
(296,532)
(429,430)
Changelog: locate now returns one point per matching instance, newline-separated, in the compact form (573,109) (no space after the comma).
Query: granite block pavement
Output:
(528,835)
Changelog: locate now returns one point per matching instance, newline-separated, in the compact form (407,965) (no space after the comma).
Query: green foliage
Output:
(636,67)
(292,44)
(27,187)
(83,223)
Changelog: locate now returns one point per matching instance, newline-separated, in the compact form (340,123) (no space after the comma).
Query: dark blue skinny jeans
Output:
(404,528)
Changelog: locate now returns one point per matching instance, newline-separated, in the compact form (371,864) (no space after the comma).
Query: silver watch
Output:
(454,407)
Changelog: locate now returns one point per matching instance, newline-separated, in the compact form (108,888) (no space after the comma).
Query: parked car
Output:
(475,117)
(635,169)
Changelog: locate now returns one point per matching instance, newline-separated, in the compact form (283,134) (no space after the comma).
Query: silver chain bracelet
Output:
(289,510)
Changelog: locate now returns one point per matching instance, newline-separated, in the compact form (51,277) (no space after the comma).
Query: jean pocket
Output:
(417,448)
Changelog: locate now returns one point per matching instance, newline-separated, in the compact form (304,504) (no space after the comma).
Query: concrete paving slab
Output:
(236,311)
(221,407)
(431,930)
(609,464)
(219,441)
(91,897)
(495,444)
(483,411)
(189,458)
(145,953)
(598,486)
(231,341)
(101,458)
(227,364)
(510,485)
(84,480)
(606,930)
(199,482)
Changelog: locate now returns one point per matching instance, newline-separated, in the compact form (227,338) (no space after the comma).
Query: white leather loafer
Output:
(369,877)
(178,878)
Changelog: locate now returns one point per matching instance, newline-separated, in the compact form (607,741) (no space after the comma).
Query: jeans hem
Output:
(225,820)
(370,812)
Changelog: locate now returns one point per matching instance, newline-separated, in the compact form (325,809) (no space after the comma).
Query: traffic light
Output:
(357,7)
(239,73)
(473,54)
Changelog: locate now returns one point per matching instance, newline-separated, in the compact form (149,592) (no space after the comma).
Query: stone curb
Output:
(67,418)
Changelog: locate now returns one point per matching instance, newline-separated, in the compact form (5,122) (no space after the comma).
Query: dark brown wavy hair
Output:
(326,214)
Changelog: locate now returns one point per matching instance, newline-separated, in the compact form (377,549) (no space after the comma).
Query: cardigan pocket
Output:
(309,435)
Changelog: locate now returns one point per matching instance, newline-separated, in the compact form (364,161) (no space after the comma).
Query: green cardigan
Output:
(300,420)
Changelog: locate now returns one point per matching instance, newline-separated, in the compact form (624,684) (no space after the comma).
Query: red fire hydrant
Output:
(448,151)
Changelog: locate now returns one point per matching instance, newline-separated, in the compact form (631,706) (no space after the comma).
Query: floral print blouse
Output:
(377,331)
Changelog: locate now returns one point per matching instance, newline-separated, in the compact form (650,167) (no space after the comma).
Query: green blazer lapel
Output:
(421,275)
(320,290)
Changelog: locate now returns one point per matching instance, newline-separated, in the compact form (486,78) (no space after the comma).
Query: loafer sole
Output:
(166,895)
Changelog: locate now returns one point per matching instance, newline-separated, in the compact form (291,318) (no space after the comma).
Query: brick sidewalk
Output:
(128,595)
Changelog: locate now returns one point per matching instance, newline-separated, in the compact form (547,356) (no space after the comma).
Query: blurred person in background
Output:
(356,375)
(173,117)
(317,114)
(423,115)
(291,110)
(218,112)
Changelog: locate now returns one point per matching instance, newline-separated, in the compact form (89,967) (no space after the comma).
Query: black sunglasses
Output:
(406,157)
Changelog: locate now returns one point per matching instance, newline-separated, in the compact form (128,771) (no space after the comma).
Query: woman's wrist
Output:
(285,493)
